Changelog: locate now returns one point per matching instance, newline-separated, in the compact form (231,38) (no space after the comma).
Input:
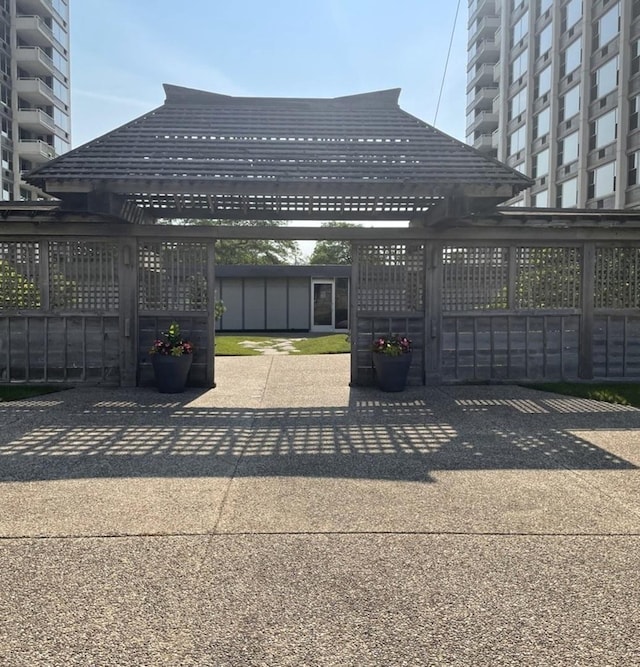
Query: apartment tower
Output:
(553,90)
(34,89)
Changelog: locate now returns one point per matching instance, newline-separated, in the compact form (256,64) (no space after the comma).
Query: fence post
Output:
(128,299)
(585,360)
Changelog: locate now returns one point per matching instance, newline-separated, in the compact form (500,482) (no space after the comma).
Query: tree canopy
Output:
(252,251)
(332,252)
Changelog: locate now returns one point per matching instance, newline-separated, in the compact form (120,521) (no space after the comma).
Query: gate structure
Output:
(87,282)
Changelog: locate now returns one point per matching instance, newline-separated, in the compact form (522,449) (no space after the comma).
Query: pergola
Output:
(470,284)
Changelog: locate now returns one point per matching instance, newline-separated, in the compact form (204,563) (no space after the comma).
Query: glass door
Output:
(322,298)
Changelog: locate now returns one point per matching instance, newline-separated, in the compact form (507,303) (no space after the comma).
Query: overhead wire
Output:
(446,64)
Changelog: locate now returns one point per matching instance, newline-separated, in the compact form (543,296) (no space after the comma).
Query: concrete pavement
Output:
(286,519)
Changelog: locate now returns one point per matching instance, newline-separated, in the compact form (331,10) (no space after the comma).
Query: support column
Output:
(128,301)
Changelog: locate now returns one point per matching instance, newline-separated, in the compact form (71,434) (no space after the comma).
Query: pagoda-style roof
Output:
(202,154)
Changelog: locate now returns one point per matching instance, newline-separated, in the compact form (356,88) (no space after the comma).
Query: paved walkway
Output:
(285,519)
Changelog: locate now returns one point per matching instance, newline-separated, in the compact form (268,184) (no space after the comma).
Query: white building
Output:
(554,91)
(34,89)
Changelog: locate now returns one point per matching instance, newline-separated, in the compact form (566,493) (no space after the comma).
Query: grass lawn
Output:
(623,393)
(13,393)
(228,345)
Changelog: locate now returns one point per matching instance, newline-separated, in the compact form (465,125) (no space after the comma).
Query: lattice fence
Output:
(19,275)
(617,277)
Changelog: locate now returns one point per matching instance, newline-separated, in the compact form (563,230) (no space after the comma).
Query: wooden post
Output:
(585,360)
(353,314)
(128,299)
(210,378)
(432,311)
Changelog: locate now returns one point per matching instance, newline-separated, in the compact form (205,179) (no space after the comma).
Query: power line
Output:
(446,64)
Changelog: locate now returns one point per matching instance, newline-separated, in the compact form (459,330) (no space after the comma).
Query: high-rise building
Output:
(553,90)
(34,89)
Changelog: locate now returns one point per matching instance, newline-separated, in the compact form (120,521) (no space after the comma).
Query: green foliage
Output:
(229,345)
(332,252)
(16,291)
(251,251)
(622,393)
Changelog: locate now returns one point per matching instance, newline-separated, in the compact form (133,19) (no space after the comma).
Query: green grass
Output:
(228,345)
(610,392)
(13,393)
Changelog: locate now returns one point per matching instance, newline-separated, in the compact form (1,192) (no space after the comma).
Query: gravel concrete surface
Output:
(284,518)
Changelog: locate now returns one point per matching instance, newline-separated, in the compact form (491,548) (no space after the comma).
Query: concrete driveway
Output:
(286,519)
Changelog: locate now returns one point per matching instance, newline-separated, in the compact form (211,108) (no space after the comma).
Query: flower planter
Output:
(171,372)
(391,371)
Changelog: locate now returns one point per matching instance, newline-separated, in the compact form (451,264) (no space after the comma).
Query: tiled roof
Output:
(247,156)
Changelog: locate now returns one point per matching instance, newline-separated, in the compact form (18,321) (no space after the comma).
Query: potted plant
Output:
(391,361)
(171,357)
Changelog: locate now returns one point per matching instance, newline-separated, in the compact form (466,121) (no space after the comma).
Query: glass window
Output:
(571,57)
(571,14)
(570,103)
(541,164)
(519,65)
(543,82)
(517,140)
(606,27)
(540,199)
(518,103)
(568,149)
(541,123)
(633,161)
(635,56)
(602,181)
(61,119)
(568,193)
(520,28)
(61,91)
(543,5)
(634,108)
(605,78)
(604,130)
(543,41)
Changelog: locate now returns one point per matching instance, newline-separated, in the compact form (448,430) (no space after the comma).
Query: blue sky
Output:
(122,51)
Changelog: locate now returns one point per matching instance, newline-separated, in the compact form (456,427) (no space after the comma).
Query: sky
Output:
(122,51)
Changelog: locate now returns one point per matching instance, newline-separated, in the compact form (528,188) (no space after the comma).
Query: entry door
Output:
(322,299)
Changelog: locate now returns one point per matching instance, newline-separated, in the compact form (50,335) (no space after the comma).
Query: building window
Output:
(568,193)
(635,56)
(634,108)
(517,140)
(602,181)
(518,103)
(633,161)
(543,5)
(543,40)
(606,27)
(519,65)
(520,29)
(541,164)
(540,199)
(603,130)
(604,79)
(571,14)
(569,104)
(571,57)
(541,123)
(543,82)
(568,149)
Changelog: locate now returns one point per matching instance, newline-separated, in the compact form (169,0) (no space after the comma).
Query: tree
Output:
(332,252)
(251,251)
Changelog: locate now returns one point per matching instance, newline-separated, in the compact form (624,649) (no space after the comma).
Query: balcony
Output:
(34,31)
(38,7)
(36,91)
(35,150)
(480,76)
(485,51)
(484,122)
(36,120)
(484,143)
(485,27)
(481,7)
(483,100)
(35,61)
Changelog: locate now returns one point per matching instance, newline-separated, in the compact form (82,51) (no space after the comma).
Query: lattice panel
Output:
(548,278)
(617,278)
(83,275)
(19,275)
(474,278)
(390,277)
(172,276)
